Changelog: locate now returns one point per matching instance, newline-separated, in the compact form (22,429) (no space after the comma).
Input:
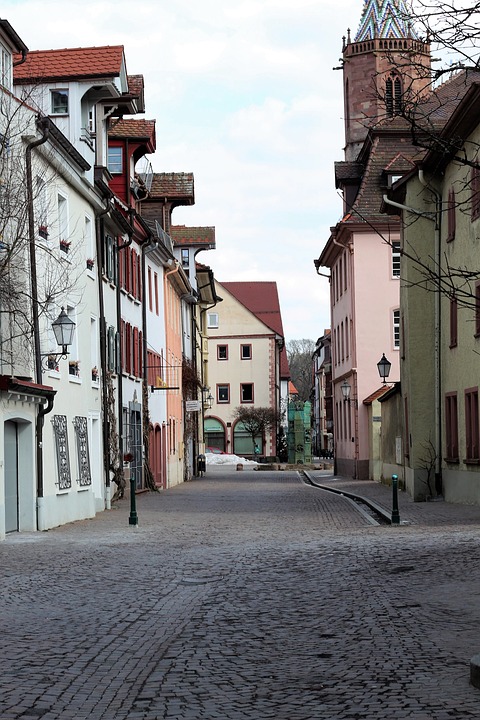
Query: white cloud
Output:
(244,96)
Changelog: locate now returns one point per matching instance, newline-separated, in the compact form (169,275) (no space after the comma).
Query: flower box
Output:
(74,368)
(64,246)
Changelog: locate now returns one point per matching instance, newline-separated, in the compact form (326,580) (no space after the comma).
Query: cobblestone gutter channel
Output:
(372,511)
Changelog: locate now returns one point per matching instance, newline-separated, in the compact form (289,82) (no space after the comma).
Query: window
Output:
(222,352)
(246,393)
(395,259)
(396,329)
(471,424)
(475,193)
(5,68)
(223,393)
(477,309)
(451,215)
(89,238)
(393,96)
(62,206)
(212,320)
(110,258)
(59,102)
(246,352)
(41,202)
(451,427)
(185,258)
(115,160)
(453,322)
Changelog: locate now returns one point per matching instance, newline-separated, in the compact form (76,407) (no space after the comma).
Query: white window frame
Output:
(5,67)
(396,329)
(212,320)
(115,160)
(396,259)
(56,106)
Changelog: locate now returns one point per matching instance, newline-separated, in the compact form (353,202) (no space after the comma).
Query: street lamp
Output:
(63,328)
(346,389)
(207,398)
(384,366)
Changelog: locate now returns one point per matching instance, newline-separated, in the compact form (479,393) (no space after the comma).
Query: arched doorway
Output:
(242,441)
(214,433)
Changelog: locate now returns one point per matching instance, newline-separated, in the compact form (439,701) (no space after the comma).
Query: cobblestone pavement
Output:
(243,595)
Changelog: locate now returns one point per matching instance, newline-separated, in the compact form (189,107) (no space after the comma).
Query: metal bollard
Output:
(395,513)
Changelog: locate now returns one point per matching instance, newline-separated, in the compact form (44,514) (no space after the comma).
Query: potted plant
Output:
(43,231)
(64,246)
(90,263)
(74,367)
(52,362)
(95,374)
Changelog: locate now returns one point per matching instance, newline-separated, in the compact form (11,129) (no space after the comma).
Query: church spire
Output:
(384,19)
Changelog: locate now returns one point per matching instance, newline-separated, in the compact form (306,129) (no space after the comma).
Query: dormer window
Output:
(5,68)
(115,160)
(59,102)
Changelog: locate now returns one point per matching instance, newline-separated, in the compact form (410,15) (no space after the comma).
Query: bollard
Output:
(395,513)
(133,517)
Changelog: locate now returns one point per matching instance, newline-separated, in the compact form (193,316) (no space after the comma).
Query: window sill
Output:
(452,461)
(472,461)
(75,380)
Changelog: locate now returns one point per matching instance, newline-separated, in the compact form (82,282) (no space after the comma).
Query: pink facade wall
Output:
(362,327)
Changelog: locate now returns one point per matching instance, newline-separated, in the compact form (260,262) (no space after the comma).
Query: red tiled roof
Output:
(261,298)
(172,185)
(132,128)
(182,235)
(69,63)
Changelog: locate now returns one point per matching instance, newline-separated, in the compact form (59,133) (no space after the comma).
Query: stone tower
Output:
(385,67)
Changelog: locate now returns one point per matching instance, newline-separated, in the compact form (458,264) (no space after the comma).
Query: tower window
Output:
(393,96)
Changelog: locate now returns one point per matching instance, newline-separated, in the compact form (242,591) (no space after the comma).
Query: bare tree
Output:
(429,96)
(24,206)
(256,420)
(300,353)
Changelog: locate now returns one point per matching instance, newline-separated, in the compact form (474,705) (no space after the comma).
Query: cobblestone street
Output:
(243,595)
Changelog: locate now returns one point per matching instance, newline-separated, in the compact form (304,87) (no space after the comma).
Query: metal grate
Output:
(59,423)
(81,436)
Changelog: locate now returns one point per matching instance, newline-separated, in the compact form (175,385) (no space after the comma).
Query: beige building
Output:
(245,352)
(440,310)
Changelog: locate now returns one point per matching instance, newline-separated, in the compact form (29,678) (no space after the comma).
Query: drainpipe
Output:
(434,217)
(437,341)
(103,355)
(40,419)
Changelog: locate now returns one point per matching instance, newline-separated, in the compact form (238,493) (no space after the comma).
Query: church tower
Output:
(384,67)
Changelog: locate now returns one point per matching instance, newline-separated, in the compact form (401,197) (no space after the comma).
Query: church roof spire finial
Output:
(384,19)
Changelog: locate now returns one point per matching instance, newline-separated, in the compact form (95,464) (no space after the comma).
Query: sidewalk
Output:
(434,513)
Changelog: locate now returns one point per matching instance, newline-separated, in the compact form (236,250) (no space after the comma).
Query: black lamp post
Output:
(346,388)
(207,398)
(384,366)
(63,328)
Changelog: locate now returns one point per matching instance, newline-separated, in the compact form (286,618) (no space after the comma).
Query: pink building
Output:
(363,251)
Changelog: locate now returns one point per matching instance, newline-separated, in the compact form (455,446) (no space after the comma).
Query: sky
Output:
(244,95)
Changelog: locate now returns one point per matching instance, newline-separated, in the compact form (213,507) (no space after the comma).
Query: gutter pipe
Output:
(42,411)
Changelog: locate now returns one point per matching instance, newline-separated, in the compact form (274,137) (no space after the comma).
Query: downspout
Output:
(42,411)
(438,338)
(435,218)
(103,354)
